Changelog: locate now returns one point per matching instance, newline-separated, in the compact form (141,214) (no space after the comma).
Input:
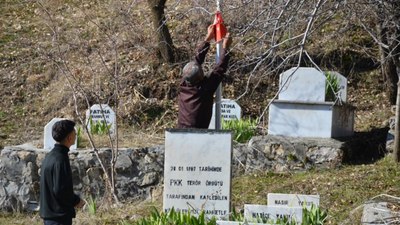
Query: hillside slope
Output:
(48,48)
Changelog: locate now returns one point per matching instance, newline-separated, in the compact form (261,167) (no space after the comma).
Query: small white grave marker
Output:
(230,110)
(48,141)
(99,113)
(197,171)
(273,213)
(292,200)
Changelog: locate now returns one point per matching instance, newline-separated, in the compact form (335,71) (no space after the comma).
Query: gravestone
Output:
(272,213)
(230,110)
(301,110)
(304,84)
(101,113)
(292,200)
(197,171)
(48,141)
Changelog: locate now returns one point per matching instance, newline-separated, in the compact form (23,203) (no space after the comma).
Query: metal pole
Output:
(218,93)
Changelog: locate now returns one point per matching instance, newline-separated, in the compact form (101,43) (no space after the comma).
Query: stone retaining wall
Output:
(139,171)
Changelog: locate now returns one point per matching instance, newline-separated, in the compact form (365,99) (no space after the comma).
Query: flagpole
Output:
(218,93)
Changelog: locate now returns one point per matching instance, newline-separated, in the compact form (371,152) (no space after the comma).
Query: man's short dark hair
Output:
(61,129)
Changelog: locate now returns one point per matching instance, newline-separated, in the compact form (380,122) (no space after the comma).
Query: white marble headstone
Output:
(197,171)
(48,141)
(302,84)
(101,112)
(292,200)
(272,213)
(230,110)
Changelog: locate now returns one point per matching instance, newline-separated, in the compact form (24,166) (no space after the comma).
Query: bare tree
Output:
(107,68)
(269,36)
(385,15)
(381,26)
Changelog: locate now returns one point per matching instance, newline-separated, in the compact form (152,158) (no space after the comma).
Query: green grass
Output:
(341,190)
(2,115)
(175,218)
(243,129)
(332,87)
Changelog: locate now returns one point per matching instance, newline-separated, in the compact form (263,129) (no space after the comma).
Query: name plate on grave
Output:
(272,213)
(197,171)
(101,114)
(292,200)
(230,110)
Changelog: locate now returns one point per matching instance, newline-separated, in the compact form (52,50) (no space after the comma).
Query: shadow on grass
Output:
(365,147)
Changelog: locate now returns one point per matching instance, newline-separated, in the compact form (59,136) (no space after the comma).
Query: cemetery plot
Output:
(197,171)
(302,110)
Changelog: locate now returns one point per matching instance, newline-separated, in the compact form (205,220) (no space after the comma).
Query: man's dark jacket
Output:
(195,102)
(57,198)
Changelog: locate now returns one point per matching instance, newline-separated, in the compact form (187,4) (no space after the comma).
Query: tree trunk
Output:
(388,66)
(396,62)
(396,149)
(165,45)
(391,80)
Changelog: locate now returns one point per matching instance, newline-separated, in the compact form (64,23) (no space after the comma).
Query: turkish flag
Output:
(220,29)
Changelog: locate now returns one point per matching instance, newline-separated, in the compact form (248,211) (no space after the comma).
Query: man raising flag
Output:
(196,93)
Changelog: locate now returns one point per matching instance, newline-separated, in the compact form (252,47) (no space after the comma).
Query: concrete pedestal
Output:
(310,119)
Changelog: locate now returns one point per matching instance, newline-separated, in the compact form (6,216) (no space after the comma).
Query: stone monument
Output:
(197,171)
(301,110)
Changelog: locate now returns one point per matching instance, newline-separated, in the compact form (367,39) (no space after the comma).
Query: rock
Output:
(149,179)
(320,155)
(124,163)
(377,213)
(239,158)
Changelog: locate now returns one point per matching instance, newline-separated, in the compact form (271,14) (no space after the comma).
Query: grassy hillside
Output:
(48,49)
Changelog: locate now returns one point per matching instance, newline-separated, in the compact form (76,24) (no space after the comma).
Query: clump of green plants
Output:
(79,137)
(243,129)
(332,86)
(92,205)
(175,218)
(314,216)
(236,216)
(100,127)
